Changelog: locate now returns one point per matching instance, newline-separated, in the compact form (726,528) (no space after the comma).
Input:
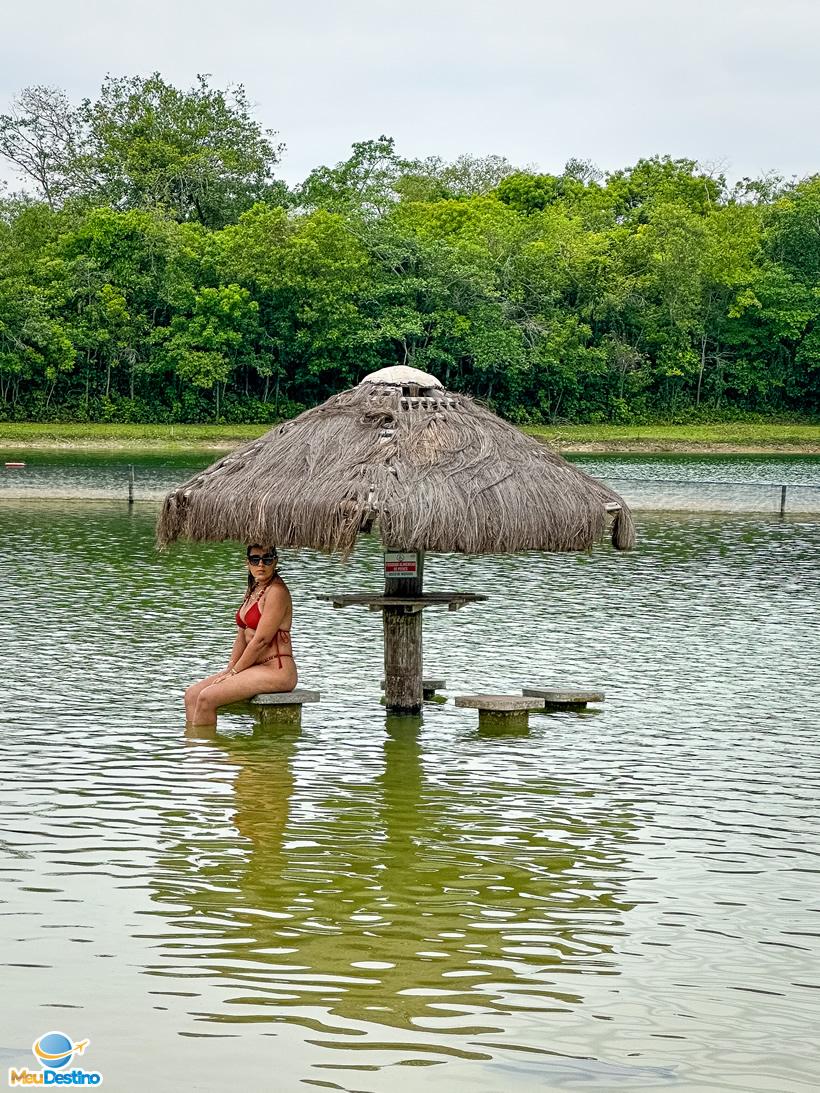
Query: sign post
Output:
(401,564)
(403,653)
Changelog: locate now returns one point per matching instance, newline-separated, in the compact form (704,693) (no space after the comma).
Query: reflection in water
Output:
(393,901)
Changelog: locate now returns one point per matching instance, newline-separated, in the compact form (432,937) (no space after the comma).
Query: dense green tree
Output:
(35,348)
(198,153)
(209,342)
(364,184)
(659,180)
(790,293)
(309,275)
(156,271)
(528,193)
(114,278)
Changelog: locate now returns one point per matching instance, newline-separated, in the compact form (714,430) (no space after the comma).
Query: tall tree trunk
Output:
(702,366)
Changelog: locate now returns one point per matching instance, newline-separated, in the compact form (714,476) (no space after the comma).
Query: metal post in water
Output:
(130,483)
(782,500)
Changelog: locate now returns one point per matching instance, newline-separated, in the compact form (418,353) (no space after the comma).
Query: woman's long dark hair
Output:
(252,548)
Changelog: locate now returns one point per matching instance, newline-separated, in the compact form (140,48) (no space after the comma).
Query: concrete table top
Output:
(563,694)
(297,697)
(499,703)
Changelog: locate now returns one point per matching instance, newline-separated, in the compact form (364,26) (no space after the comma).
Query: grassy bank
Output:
(124,437)
(733,437)
(730,437)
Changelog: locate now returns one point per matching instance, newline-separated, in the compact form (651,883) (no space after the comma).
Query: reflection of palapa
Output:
(396,900)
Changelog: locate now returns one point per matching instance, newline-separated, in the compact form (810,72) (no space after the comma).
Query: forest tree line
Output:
(154,269)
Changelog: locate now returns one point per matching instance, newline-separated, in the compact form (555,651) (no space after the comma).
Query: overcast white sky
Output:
(732,82)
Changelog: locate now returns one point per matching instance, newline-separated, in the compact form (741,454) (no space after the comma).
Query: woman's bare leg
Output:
(193,692)
(253,681)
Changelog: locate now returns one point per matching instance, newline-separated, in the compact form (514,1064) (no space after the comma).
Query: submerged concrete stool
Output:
(497,711)
(563,698)
(429,688)
(282,707)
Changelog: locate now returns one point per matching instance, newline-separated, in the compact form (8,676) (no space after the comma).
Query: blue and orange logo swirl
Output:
(55,1050)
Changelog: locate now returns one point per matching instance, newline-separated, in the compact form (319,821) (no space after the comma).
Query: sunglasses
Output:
(265,559)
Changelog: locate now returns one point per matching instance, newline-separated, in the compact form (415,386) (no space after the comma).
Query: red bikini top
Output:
(251,620)
(253,617)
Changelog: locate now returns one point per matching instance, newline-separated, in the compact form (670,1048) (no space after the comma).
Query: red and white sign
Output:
(401,565)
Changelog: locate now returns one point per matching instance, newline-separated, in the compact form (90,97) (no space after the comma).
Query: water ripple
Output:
(620,899)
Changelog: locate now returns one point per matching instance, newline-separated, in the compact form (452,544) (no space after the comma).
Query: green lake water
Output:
(619,900)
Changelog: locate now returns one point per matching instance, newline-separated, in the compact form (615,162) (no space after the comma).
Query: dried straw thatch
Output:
(433,469)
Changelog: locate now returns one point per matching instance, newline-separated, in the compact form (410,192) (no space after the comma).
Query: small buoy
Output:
(15,464)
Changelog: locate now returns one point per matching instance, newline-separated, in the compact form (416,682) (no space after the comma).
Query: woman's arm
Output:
(277,602)
(236,652)
(237,649)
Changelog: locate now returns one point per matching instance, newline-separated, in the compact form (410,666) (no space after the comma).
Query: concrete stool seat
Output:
(563,698)
(282,707)
(429,688)
(511,711)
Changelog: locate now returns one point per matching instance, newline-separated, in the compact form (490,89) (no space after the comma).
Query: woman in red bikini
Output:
(261,658)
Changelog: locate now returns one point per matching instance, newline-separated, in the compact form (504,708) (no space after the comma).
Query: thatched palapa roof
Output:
(433,469)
